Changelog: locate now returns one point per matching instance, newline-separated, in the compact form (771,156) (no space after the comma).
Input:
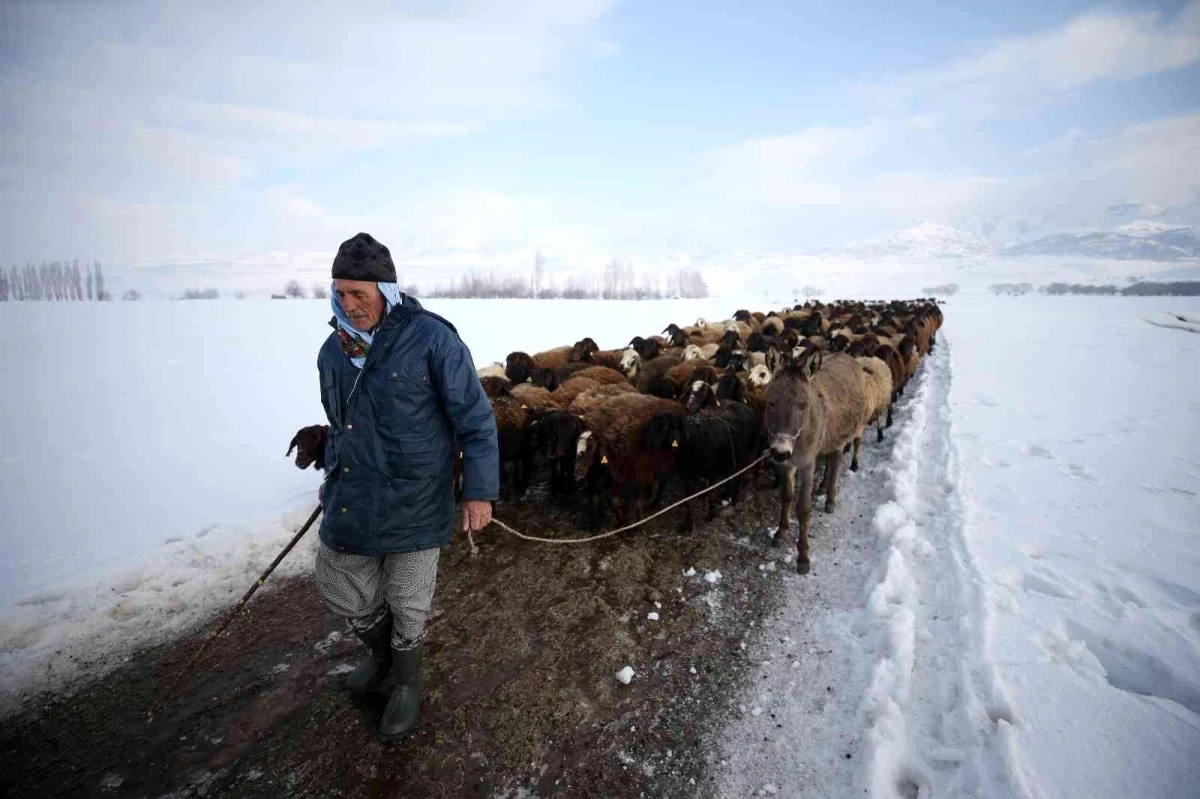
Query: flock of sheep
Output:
(704,401)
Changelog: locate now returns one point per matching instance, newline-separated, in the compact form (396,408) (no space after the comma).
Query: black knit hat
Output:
(363,258)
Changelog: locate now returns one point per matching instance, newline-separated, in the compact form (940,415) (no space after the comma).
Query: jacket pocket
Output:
(331,397)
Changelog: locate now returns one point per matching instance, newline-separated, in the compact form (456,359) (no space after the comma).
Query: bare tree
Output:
(101,294)
(131,294)
(294,290)
(539,268)
(91,283)
(320,292)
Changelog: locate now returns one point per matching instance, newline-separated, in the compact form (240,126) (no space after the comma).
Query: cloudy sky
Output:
(177,133)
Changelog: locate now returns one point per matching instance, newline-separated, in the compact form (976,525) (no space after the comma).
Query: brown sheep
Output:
(515,435)
(609,358)
(536,397)
(603,375)
(556,358)
(891,358)
(309,443)
(496,386)
(610,455)
(586,401)
(520,367)
(684,374)
(643,373)
(814,408)
(877,385)
(572,388)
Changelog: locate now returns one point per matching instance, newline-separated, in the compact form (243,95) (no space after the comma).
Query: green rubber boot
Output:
(404,706)
(373,669)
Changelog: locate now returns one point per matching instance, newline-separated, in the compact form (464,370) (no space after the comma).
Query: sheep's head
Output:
(309,443)
(589,453)
(663,432)
(742,316)
(701,396)
(519,367)
(675,335)
(705,373)
(691,352)
(495,369)
(630,364)
(636,342)
(545,378)
(760,375)
(648,349)
(730,387)
(731,338)
(756,343)
(583,349)
(560,430)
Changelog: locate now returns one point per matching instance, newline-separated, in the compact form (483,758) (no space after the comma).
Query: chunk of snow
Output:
(652,616)
(625,675)
(712,576)
(690,572)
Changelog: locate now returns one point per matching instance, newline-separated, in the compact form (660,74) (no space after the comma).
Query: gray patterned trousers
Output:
(363,588)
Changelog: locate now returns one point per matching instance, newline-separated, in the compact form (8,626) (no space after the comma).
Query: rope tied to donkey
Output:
(626,528)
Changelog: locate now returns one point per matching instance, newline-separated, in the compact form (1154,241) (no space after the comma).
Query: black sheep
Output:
(711,443)
(556,435)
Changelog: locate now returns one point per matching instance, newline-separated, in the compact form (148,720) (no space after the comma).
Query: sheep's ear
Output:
(293,445)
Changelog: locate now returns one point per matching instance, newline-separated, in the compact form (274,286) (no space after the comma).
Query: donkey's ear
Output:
(815,363)
(292,446)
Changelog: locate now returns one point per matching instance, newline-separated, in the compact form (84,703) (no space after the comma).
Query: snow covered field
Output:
(1031,622)
(1023,617)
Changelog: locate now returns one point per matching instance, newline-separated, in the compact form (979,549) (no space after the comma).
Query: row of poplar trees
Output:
(54,280)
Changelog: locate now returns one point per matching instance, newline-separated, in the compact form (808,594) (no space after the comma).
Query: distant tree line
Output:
(53,280)
(618,281)
(944,290)
(1181,288)
(1011,289)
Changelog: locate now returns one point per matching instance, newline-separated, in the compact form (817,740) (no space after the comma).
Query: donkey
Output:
(814,408)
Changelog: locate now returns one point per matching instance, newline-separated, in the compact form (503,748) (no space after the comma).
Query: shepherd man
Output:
(402,397)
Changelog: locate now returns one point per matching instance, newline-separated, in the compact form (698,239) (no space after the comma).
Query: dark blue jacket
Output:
(392,432)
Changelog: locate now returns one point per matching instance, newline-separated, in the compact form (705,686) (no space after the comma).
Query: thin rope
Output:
(506,528)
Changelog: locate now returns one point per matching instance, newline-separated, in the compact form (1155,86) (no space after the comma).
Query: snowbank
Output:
(1077,427)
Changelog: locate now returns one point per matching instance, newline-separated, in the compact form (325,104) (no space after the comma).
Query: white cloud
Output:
(1015,72)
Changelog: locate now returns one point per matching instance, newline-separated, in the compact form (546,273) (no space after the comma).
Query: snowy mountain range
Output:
(1171,244)
(1138,240)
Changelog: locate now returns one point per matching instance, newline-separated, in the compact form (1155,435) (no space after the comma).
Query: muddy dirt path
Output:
(519,678)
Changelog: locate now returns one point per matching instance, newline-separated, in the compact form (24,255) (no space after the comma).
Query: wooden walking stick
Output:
(220,628)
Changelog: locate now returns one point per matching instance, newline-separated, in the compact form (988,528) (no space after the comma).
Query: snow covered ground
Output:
(1016,614)
(143,476)
(1031,622)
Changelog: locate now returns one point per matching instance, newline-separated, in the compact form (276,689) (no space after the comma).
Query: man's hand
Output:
(477,514)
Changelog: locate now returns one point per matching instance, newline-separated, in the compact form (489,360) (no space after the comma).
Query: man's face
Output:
(361,301)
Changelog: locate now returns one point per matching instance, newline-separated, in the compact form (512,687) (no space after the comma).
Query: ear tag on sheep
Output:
(603,460)
(524,407)
(529,380)
(674,445)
